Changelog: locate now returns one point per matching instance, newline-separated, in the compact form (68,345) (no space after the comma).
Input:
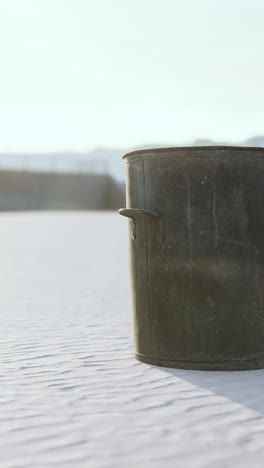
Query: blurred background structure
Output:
(59,182)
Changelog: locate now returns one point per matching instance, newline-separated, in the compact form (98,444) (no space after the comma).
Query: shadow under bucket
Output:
(197,266)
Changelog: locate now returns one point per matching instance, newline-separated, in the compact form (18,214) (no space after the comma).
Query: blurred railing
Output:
(58,162)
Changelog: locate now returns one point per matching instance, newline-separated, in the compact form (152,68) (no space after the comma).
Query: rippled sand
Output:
(71,393)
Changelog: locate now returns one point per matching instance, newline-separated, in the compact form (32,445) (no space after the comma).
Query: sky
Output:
(81,74)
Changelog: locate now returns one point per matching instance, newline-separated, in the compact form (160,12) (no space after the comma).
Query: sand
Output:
(71,393)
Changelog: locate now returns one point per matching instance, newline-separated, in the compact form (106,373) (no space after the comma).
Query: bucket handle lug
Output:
(133,213)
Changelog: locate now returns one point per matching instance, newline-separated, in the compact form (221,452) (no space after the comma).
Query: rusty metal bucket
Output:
(197,265)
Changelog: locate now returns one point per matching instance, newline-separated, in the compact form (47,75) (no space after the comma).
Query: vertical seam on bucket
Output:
(147,257)
(189,214)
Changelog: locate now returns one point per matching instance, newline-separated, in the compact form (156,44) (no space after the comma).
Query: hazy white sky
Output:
(75,74)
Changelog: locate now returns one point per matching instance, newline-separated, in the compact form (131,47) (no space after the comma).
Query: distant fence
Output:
(57,162)
(25,190)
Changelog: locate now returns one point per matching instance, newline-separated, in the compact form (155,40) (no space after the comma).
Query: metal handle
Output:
(132,213)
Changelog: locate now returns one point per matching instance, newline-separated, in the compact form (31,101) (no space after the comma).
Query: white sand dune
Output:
(71,393)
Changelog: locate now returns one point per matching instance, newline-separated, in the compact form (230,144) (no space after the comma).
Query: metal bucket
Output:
(197,265)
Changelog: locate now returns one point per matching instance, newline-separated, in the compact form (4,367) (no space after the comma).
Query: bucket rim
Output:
(178,149)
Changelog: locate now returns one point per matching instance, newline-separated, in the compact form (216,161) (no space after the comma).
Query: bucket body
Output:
(197,266)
